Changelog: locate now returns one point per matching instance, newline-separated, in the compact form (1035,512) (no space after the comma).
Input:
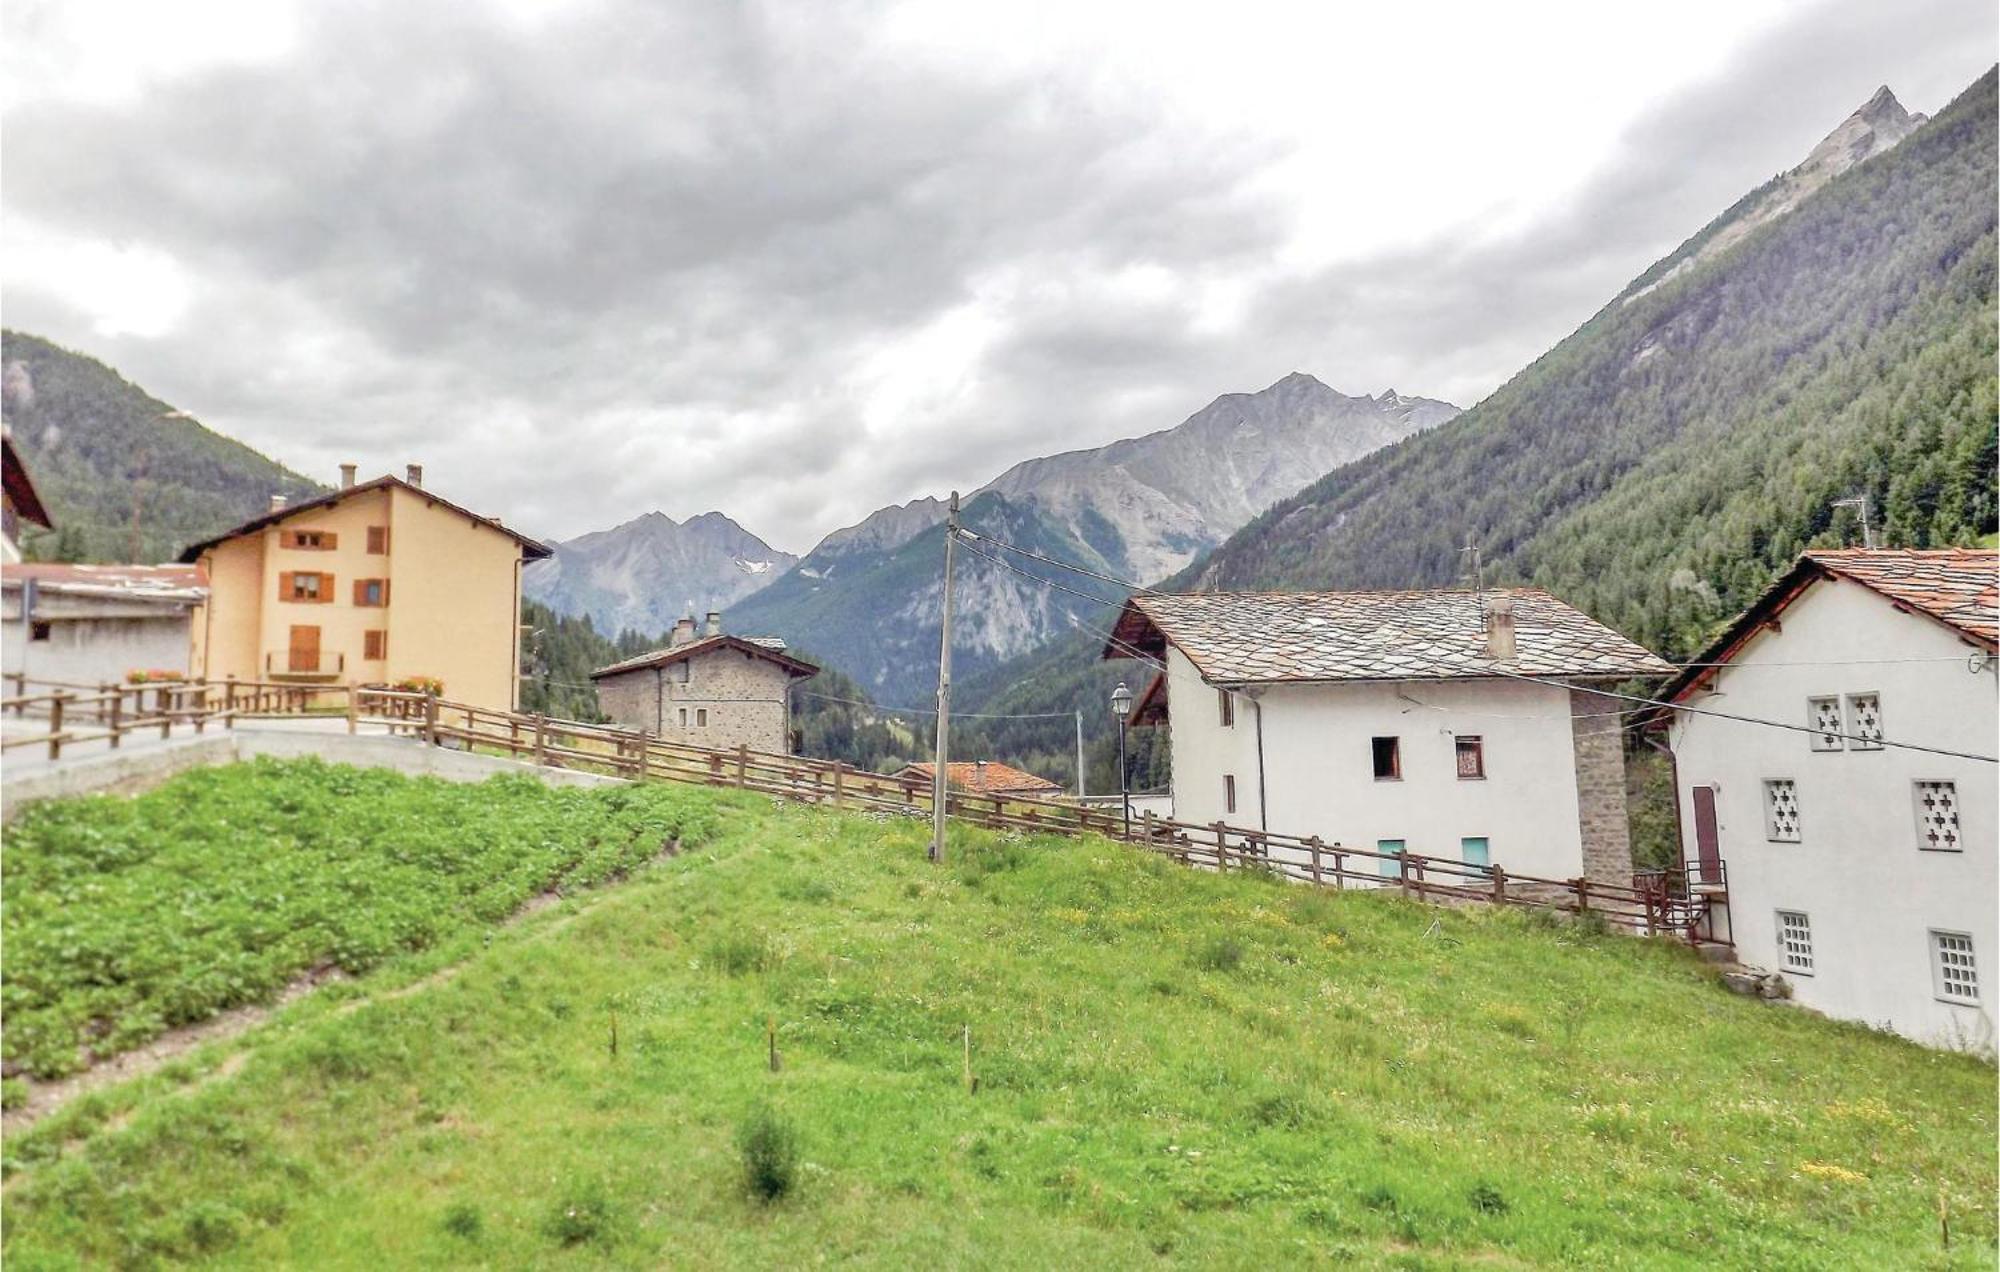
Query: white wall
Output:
(1871,894)
(1319,770)
(91,650)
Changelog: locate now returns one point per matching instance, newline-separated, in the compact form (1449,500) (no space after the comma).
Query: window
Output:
(1474,850)
(305,585)
(1781,810)
(1825,716)
(1227,707)
(378,540)
(1864,721)
(375,646)
(1471,757)
(371,592)
(1388,759)
(701,717)
(678,672)
(1229,792)
(309,540)
(38,630)
(1795,942)
(1937,816)
(1389,867)
(1954,973)
(684,717)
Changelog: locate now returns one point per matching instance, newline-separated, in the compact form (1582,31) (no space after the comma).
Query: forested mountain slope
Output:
(126,476)
(1656,467)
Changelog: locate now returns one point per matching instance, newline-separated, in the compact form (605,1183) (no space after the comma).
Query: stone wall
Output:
(721,699)
(1599,740)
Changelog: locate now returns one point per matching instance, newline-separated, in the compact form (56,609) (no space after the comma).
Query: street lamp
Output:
(1121,706)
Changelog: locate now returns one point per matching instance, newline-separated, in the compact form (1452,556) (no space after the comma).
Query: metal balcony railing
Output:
(282,663)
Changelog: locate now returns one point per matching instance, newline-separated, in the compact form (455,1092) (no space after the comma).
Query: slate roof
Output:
(985,777)
(531,549)
(1278,637)
(769,648)
(1958,587)
(182,584)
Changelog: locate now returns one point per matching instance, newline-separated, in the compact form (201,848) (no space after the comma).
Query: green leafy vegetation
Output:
(125,476)
(1662,464)
(1364,1080)
(125,918)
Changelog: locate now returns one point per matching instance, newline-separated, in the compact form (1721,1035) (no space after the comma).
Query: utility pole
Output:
(939,786)
(1079,756)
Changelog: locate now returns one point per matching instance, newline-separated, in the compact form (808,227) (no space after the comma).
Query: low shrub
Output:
(770,1150)
(1219,954)
(581,1215)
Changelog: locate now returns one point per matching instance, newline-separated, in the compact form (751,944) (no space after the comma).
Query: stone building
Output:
(1442,723)
(712,689)
(985,777)
(97,624)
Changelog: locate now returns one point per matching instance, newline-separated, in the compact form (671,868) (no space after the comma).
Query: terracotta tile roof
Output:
(1267,637)
(985,777)
(1958,586)
(769,648)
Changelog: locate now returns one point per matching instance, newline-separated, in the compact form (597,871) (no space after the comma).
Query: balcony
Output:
(303,664)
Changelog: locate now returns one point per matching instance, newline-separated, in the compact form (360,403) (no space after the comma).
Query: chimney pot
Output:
(1500,629)
(683,632)
(346,476)
(277,503)
(714,625)
(414,474)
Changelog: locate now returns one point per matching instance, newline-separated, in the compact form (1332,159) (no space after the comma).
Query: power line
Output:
(931,711)
(1142,656)
(1030,553)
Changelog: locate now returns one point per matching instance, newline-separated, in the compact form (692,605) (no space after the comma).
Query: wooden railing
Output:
(1660,904)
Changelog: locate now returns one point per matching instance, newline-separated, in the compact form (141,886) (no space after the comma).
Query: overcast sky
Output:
(590,258)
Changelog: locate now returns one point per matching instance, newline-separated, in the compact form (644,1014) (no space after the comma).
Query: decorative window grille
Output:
(1795,950)
(1864,721)
(1826,722)
(1781,810)
(1471,756)
(1957,976)
(1937,816)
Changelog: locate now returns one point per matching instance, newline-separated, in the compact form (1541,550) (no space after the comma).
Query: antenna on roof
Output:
(1860,504)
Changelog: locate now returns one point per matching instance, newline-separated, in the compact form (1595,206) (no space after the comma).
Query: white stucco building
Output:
(1860,869)
(95,624)
(1450,724)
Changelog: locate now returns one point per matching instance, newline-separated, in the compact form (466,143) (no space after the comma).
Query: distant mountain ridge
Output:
(642,575)
(1139,508)
(126,476)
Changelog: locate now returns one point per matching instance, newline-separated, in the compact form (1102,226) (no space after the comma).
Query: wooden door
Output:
(1708,849)
(305,649)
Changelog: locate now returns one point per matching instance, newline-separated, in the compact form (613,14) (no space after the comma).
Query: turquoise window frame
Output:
(1388,867)
(1481,856)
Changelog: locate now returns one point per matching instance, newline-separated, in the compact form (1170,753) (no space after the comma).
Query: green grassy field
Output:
(1172,1067)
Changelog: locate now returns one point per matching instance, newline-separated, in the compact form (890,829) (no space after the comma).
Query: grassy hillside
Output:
(108,456)
(1661,463)
(1171,1067)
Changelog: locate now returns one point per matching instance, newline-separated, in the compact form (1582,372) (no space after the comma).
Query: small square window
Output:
(1781,810)
(1795,952)
(1937,816)
(1388,754)
(1226,708)
(306,585)
(1471,757)
(39,629)
(1825,716)
(1389,866)
(1476,852)
(1864,721)
(1228,792)
(371,592)
(684,717)
(701,717)
(1955,974)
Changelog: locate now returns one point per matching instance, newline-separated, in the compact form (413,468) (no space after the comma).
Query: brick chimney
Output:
(414,474)
(713,627)
(1500,629)
(683,632)
(346,476)
(277,503)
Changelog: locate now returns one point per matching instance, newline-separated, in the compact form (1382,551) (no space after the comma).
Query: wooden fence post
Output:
(742,764)
(1221,849)
(164,705)
(1312,847)
(1403,870)
(541,739)
(353,709)
(1146,826)
(1582,887)
(1499,885)
(56,701)
(20,679)
(838,767)
(430,719)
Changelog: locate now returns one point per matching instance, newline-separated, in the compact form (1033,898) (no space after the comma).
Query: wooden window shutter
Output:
(361,591)
(325,589)
(378,539)
(285,585)
(288,538)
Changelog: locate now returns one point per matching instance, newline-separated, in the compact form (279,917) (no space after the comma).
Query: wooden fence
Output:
(1661,903)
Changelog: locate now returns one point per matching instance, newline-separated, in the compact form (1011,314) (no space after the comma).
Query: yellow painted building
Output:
(373,584)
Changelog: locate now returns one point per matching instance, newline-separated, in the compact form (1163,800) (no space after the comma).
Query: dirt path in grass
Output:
(45,1098)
